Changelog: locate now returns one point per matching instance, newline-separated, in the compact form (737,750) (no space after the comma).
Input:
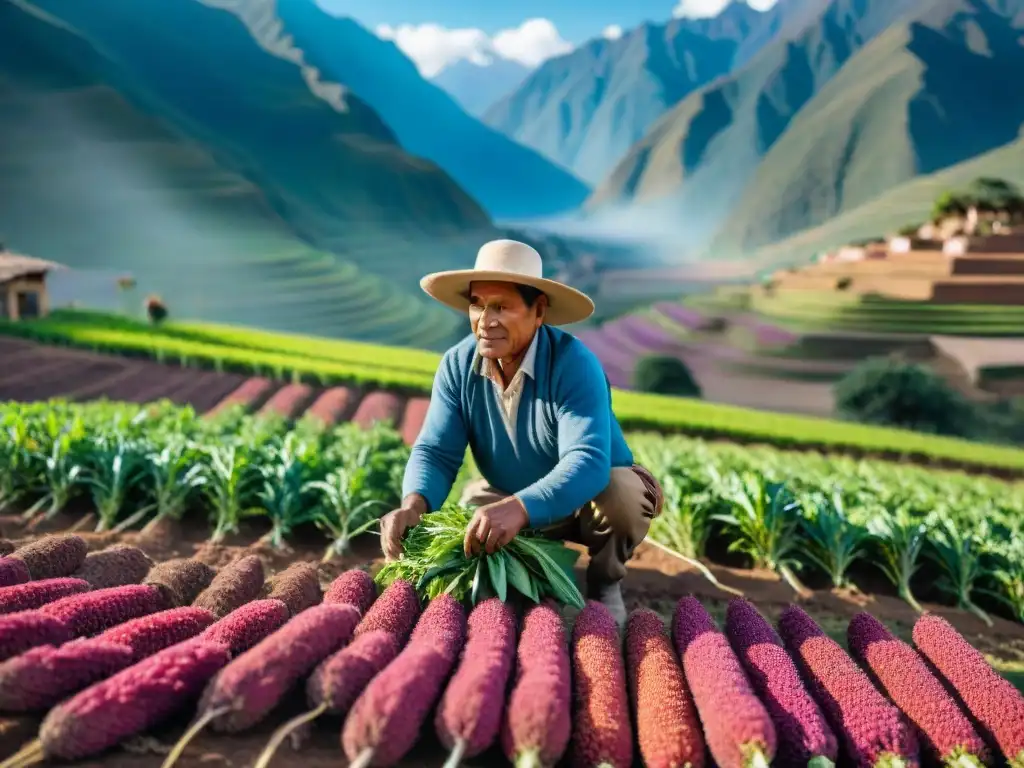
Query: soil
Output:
(656,580)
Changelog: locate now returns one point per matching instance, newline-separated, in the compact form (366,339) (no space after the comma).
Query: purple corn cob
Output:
(354,587)
(234,585)
(13,571)
(28,629)
(538,722)
(801,729)
(995,704)
(471,707)
(241,629)
(872,731)
(338,681)
(253,684)
(385,721)
(41,677)
(395,611)
(297,586)
(737,727)
(910,685)
(114,566)
(53,557)
(36,594)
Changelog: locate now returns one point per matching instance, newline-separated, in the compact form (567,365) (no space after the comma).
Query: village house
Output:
(23,293)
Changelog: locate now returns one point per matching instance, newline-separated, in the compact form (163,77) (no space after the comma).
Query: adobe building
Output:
(23,293)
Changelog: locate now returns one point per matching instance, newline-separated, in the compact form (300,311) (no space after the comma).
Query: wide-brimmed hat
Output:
(509,261)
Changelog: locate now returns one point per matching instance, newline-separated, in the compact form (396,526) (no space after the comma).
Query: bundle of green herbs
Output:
(433,558)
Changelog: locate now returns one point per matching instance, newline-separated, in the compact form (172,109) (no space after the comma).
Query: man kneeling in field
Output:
(534,405)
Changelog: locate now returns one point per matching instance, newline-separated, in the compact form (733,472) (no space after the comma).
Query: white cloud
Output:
(612,32)
(702,9)
(433,47)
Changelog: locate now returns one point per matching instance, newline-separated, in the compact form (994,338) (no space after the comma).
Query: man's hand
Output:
(495,525)
(395,523)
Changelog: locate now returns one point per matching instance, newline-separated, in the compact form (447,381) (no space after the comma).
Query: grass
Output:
(327,361)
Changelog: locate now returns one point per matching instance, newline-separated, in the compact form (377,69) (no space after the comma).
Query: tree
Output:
(892,392)
(156,310)
(994,195)
(951,204)
(665,375)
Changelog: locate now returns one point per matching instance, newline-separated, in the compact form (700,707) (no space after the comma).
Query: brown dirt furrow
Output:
(252,393)
(28,368)
(378,406)
(413,418)
(289,401)
(57,383)
(334,405)
(204,389)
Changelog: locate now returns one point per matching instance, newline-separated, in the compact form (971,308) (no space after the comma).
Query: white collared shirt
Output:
(509,397)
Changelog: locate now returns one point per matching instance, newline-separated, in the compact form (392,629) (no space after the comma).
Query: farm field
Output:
(881,544)
(324,363)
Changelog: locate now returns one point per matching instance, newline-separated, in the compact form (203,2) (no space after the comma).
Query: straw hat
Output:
(509,261)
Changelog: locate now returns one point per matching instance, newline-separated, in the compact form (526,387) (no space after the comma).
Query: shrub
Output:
(665,375)
(893,392)
(156,310)
(844,283)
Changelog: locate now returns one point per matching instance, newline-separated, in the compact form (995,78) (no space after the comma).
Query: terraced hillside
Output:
(34,372)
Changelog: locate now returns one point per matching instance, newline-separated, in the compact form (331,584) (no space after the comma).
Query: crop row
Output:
(303,359)
(825,521)
(751,695)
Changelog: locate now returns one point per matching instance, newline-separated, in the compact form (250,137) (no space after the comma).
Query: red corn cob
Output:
(41,677)
(737,726)
(385,720)
(872,730)
(52,557)
(907,681)
(395,611)
(115,566)
(235,585)
(36,594)
(180,580)
(802,732)
(469,716)
(666,720)
(997,707)
(354,587)
(297,586)
(601,733)
(27,629)
(241,629)
(13,571)
(537,719)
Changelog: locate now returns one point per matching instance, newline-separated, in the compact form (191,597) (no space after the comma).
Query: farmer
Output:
(534,405)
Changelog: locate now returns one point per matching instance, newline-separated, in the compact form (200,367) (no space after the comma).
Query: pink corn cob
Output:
(13,571)
(737,726)
(385,720)
(469,716)
(995,704)
(802,731)
(872,730)
(395,611)
(668,729)
(354,587)
(27,629)
(36,594)
(911,686)
(43,676)
(537,723)
(241,629)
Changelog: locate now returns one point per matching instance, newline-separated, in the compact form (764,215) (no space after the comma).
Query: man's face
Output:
(501,321)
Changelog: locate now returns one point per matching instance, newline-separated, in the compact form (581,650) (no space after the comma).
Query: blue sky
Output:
(437,33)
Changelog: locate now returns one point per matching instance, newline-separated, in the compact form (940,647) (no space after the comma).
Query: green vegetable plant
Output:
(833,543)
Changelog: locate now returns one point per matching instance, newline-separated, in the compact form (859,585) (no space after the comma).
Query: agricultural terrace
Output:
(160,613)
(322,362)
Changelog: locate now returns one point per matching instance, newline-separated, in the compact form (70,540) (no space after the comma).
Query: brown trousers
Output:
(610,527)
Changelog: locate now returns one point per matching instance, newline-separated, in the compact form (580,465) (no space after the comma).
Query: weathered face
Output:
(501,321)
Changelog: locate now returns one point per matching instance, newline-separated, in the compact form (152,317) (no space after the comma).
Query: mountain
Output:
(166,143)
(586,109)
(511,181)
(477,86)
(930,92)
(703,152)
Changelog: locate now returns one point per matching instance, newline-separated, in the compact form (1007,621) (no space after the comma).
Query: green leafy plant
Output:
(833,543)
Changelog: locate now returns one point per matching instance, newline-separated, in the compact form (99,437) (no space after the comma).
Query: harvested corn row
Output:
(803,734)
(601,732)
(43,676)
(872,730)
(469,717)
(244,627)
(180,580)
(13,571)
(738,728)
(995,704)
(354,587)
(36,594)
(234,585)
(668,730)
(297,586)
(115,566)
(909,684)
(385,720)
(537,723)
(52,557)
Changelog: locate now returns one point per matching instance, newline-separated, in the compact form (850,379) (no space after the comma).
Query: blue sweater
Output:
(567,437)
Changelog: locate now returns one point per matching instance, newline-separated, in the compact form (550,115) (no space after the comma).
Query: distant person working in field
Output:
(535,406)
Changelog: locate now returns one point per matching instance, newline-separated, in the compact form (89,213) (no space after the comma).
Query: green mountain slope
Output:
(927,94)
(107,176)
(699,156)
